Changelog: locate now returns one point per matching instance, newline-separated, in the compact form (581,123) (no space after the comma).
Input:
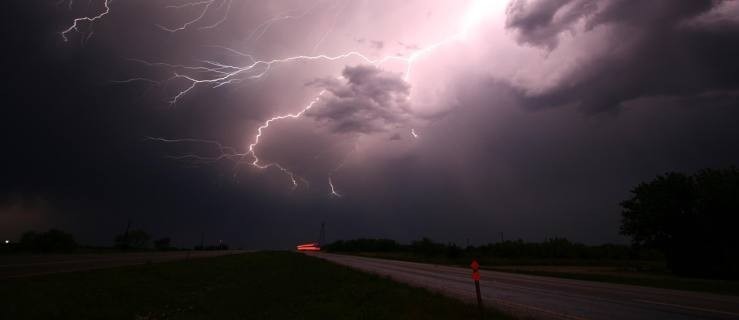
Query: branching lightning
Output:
(225,152)
(206,7)
(263,27)
(90,20)
(215,74)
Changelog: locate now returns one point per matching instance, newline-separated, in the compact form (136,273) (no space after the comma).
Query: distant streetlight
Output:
(7,241)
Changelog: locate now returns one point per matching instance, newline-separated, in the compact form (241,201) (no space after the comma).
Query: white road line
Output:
(689,307)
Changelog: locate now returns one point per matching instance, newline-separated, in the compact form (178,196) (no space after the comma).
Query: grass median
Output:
(263,285)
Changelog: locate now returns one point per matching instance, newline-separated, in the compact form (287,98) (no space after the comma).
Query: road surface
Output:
(17,266)
(551,298)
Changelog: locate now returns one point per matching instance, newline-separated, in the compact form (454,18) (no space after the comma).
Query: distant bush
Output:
(163,244)
(427,247)
(134,239)
(50,241)
(219,246)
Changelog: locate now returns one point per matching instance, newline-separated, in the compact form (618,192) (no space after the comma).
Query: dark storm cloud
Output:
(653,48)
(368,100)
(541,22)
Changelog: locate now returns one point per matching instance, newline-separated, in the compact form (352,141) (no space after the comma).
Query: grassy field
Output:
(642,273)
(267,285)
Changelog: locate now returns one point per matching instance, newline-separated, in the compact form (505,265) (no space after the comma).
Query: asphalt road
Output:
(551,298)
(14,266)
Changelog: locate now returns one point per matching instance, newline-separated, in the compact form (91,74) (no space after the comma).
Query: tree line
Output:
(687,220)
(58,241)
(555,248)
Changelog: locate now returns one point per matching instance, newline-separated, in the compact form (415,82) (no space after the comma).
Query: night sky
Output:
(452,119)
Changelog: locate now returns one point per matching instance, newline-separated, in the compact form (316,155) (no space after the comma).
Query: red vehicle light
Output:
(309,247)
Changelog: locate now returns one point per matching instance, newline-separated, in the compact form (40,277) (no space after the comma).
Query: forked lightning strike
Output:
(90,20)
(216,74)
(223,74)
(207,6)
(263,27)
(225,152)
(266,124)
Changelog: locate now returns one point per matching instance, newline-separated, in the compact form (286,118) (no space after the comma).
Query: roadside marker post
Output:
(476,277)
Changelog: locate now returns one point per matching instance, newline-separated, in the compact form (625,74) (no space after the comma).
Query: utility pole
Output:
(322,235)
(501,236)
(125,235)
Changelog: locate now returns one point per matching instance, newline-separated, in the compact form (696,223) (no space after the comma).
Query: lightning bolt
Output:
(330,29)
(474,15)
(226,152)
(207,6)
(333,189)
(263,27)
(265,125)
(89,20)
(216,74)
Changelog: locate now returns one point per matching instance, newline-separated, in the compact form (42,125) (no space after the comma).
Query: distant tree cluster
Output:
(364,245)
(163,244)
(50,241)
(428,247)
(138,239)
(691,218)
(57,241)
(561,248)
(556,248)
(134,239)
(219,246)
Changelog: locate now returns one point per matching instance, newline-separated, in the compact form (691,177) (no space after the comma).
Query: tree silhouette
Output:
(50,241)
(163,244)
(689,218)
(136,239)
